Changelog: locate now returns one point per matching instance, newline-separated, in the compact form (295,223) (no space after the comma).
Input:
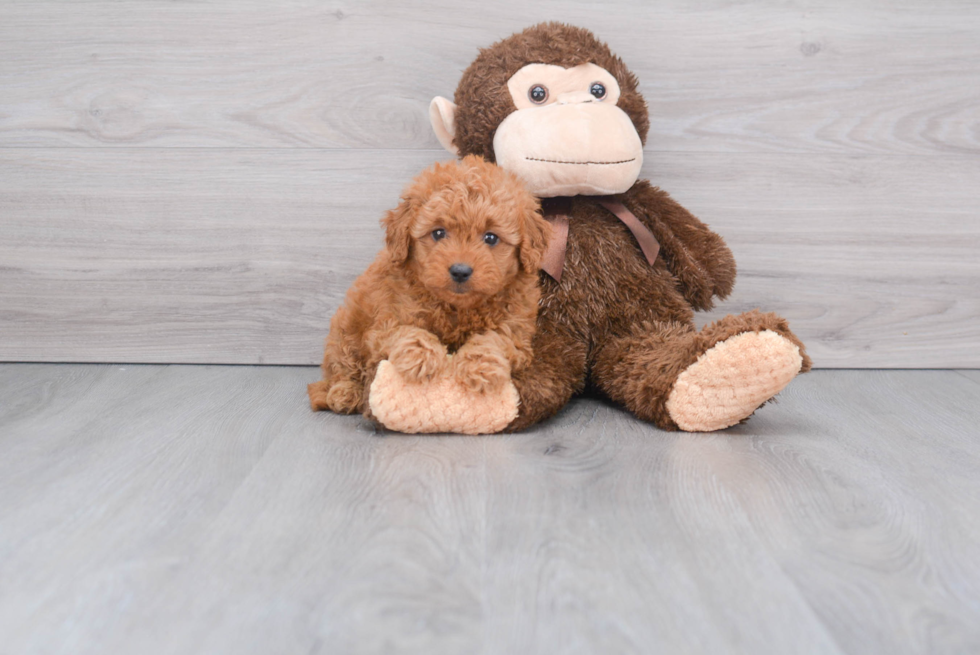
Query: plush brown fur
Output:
(614,321)
(483,101)
(408,309)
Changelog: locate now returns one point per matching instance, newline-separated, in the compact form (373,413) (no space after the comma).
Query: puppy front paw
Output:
(481,368)
(418,357)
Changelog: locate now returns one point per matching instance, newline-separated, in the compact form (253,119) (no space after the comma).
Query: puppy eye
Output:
(538,94)
(438,234)
(597,90)
(490,239)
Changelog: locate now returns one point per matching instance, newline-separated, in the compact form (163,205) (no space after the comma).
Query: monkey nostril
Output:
(460,272)
(574,98)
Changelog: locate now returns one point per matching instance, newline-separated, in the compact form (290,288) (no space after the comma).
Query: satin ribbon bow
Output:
(556,212)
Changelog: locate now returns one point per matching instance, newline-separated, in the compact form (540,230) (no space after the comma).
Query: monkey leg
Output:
(441,404)
(556,372)
(445,404)
(680,378)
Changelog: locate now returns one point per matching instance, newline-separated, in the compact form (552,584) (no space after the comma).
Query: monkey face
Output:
(554,105)
(466,231)
(567,136)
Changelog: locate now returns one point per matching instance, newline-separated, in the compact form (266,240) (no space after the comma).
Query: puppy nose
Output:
(460,272)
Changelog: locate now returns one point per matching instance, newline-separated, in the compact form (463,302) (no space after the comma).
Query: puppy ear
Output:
(398,230)
(535,232)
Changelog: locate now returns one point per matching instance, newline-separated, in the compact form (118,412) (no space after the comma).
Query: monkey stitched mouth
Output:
(580,163)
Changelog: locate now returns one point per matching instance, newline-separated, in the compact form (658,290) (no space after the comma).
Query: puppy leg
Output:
(416,354)
(482,364)
(340,396)
(318,395)
(341,390)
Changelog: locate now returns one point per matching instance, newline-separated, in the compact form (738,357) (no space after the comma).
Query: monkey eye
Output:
(597,90)
(438,234)
(538,94)
(490,239)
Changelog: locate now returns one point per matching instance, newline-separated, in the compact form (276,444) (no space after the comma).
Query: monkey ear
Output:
(398,231)
(534,240)
(442,115)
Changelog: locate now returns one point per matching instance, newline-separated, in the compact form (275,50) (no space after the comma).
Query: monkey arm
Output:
(698,257)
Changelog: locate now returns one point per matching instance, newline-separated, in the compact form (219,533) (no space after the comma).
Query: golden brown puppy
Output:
(459,274)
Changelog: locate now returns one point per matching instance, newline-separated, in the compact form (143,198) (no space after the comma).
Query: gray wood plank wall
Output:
(200,182)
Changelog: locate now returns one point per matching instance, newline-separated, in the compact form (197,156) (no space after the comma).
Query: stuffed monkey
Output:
(627,267)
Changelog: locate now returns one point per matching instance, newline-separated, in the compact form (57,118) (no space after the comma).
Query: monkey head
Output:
(553,105)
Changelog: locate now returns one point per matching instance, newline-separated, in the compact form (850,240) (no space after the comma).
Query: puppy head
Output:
(466,230)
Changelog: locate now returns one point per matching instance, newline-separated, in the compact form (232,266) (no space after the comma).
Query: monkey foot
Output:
(441,405)
(733,379)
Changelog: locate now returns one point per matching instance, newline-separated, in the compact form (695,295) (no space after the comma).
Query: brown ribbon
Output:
(556,211)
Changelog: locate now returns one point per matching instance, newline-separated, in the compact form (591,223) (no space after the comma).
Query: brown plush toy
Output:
(627,266)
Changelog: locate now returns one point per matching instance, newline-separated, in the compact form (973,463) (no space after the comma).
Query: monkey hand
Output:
(442,404)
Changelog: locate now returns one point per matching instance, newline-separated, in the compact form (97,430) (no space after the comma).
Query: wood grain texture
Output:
(756,76)
(174,509)
(972,374)
(242,256)
(200,182)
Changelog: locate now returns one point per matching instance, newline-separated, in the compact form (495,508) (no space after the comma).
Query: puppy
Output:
(454,291)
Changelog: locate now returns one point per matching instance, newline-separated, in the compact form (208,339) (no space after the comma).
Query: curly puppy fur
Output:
(613,322)
(409,309)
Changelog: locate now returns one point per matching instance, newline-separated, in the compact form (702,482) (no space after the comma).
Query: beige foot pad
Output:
(732,379)
(441,405)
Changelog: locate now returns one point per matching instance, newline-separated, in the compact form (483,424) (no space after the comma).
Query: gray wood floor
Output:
(193,509)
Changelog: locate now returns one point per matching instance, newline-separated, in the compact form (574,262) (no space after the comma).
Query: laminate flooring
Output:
(205,509)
